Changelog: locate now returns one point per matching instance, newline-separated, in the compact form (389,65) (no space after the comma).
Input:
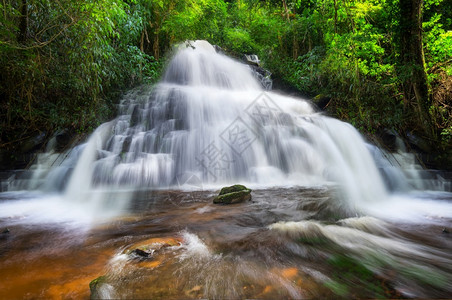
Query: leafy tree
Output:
(61,62)
(412,62)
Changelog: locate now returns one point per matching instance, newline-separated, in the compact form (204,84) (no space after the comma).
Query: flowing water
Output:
(330,215)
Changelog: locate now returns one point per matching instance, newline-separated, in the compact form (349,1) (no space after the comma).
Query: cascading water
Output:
(210,122)
(209,118)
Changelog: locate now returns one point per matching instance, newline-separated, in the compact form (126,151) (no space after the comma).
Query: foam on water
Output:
(194,247)
(425,207)
(44,208)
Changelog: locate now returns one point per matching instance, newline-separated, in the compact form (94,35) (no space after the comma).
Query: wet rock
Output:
(5,231)
(389,139)
(142,253)
(218,49)
(263,76)
(19,155)
(233,188)
(94,286)
(61,140)
(284,87)
(126,144)
(251,59)
(33,143)
(231,198)
(233,194)
(418,143)
(321,101)
(147,248)
(135,116)
(445,230)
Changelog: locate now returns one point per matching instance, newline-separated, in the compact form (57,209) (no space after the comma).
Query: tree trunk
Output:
(295,47)
(335,16)
(414,76)
(23,22)
(286,10)
(142,41)
(156,46)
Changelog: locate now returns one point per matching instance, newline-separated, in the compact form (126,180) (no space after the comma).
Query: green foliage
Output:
(438,38)
(446,133)
(63,62)
(239,41)
(349,52)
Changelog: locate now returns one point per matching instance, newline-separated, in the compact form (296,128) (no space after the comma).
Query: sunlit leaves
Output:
(438,41)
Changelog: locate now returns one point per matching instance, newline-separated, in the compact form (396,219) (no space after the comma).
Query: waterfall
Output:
(210,120)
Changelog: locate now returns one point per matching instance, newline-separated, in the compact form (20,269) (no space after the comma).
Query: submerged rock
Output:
(233,194)
(142,253)
(147,248)
(94,286)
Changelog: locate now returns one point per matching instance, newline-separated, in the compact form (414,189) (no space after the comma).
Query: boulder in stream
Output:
(94,286)
(233,194)
(147,248)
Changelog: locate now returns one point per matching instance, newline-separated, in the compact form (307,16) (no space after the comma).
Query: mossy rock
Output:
(146,249)
(95,284)
(233,194)
(233,188)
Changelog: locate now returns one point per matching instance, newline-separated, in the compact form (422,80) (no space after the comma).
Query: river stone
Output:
(147,248)
(135,116)
(233,194)
(94,286)
(33,143)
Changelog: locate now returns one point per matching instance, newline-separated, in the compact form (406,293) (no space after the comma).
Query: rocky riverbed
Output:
(286,242)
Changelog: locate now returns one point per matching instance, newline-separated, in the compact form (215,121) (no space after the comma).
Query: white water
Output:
(210,120)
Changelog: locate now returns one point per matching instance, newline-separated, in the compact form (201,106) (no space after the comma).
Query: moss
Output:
(233,188)
(234,197)
(337,288)
(94,285)
(233,194)
(349,270)
(347,264)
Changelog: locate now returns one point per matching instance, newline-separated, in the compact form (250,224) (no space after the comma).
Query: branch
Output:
(40,44)
(439,65)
